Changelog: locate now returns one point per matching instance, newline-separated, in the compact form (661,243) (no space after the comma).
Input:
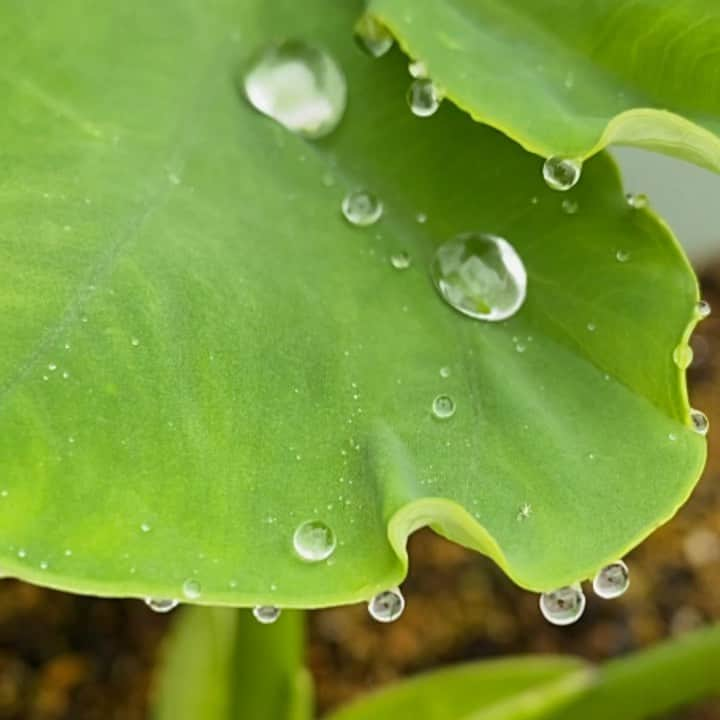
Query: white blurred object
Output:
(687,197)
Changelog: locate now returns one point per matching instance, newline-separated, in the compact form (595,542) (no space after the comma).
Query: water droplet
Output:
(400,261)
(266,614)
(52,367)
(622,256)
(372,36)
(637,201)
(569,207)
(134,342)
(362,208)
(387,606)
(314,541)
(683,356)
(21,553)
(145,527)
(591,326)
(443,407)
(418,70)
(524,512)
(480,275)
(699,421)
(328,179)
(421,218)
(161,605)
(44,565)
(423,97)
(703,309)
(561,173)
(563,606)
(444,372)
(612,581)
(174,179)
(192,589)
(672,436)
(298,85)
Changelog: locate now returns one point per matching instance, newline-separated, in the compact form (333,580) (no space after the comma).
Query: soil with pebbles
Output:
(64,657)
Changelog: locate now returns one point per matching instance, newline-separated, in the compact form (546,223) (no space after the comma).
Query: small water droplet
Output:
(421,218)
(372,36)
(328,179)
(314,541)
(400,261)
(52,367)
(480,275)
(444,372)
(192,589)
(298,85)
(612,581)
(443,407)
(387,606)
(524,512)
(68,553)
(161,605)
(134,342)
(563,606)
(418,70)
(21,553)
(145,527)
(699,421)
(637,201)
(65,375)
(44,565)
(362,208)
(266,614)
(569,207)
(174,179)
(622,256)
(592,327)
(423,97)
(703,309)
(672,436)
(683,356)
(561,173)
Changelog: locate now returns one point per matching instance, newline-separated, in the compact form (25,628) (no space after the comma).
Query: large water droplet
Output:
(703,309)
(443,407)
(361,207)
(298,85)
(372,36)
(423,97)
(192,589)
(612,581)
(561,173)
(161,605)
(387,606)
(563,606)
(314,541)
(683,356)
(266,614)
(480,275)
(700,422)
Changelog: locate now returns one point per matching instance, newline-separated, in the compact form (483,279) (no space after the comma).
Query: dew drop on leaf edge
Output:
(612,580)
(699,421)
(683,356)
(314,541)
(161,605)
(423,97)
(480,275)
(561,173)
(563,606)
(703,309)
(298,85)
(387,606)
(192,589)
(372,36)
(266,614)
(361,208)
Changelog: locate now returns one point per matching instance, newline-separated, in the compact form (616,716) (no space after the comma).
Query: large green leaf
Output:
(569,78)
(199,353)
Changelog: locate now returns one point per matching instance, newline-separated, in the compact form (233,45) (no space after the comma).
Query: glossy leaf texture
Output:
(221,664)
(199,353)
(637,72)
(512,689)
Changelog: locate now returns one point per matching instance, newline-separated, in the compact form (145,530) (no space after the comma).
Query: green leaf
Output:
(199,353)
(513,689)
(569,80)
(221,664)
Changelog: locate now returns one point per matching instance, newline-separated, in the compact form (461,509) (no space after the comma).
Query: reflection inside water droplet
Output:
(387,606)
(564,606)
(266,614)
(423,97)
(612,581)
(372,36)
(160,605)
(703,309)
(480,275)
(314,541)
(298,85)
(362,208)
(561,173)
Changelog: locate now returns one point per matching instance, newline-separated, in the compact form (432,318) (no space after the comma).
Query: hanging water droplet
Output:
(372,36)
(563,606)
(561,173)
(266,614)
(637,201)
(700,422)
(314,541)
(161,605)
(569,207)
(362,208)
(480,275)
(423,97)
(192,589)
(622,256)
(703,309)
(298,85)
(387,606)
(683,356)
(400,261)
(443,407)
(418,69)
(612,581)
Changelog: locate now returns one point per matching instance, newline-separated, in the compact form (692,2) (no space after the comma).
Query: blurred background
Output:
(65,657)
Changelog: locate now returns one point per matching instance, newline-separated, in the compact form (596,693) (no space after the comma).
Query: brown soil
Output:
(64,657)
